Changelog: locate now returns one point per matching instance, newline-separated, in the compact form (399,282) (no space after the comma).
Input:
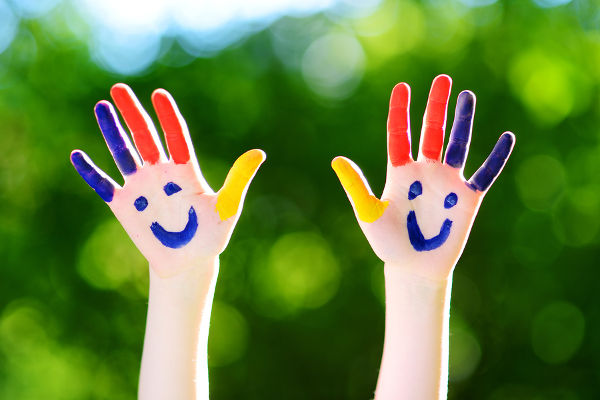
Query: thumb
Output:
(236,184)
(368,208)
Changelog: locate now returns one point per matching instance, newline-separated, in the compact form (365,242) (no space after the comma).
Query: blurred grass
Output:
(525,312)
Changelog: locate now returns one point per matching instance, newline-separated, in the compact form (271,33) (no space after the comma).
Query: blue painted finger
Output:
(98,180)
(489,171)
(460,137)
(118,143)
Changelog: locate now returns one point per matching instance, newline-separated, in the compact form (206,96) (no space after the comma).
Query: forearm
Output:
(415,356)
(174,361)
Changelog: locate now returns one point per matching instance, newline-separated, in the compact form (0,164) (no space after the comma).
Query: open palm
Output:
(166,206)
(427,208)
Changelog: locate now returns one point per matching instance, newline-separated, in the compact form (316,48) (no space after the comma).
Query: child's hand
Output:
(427,208)
(165,205)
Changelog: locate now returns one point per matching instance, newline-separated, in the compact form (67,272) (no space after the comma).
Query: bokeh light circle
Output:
(300,272)
(551,3)
(557,332)
(33,8)
(541,181)
(333,65)
(465,350)
(8,26)
(110,260)
(228,337)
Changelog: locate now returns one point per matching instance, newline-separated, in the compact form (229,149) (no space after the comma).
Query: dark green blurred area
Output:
(299,310)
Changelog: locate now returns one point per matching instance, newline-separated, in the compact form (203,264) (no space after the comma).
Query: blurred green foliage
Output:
(299,310)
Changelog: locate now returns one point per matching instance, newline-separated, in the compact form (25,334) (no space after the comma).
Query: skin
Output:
(418,270)
(178,223)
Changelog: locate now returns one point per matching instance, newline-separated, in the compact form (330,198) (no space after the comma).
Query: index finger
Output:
(116,139)
(434,120)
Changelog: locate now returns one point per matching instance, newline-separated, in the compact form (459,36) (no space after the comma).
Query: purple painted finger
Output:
(489,171)
(93,176)
(460,137)
(116,139)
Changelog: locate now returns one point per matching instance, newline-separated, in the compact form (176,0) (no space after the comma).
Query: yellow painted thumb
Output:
(368,207)
(237,181)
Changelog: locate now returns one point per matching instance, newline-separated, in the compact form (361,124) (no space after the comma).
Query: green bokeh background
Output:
(299,310)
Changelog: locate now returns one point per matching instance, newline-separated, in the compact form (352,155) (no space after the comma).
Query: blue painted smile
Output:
(179,239)
(417,239)
(415,235)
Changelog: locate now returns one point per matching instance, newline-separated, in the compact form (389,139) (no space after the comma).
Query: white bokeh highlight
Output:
(8,26)
(333,65)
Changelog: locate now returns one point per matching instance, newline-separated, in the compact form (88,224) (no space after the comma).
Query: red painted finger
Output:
(139,123)
(173,125)
(398,126)
(434,120)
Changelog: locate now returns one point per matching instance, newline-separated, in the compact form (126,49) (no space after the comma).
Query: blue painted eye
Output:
(140,203)
(450,200)
(171,188)
(415,190)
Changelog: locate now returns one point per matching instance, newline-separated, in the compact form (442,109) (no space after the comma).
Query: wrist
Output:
(404,288)
(416,275)
(189,283)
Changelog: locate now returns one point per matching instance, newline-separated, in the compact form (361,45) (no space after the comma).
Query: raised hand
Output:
(419,229)
(165,205)
(179,224)
(427,208)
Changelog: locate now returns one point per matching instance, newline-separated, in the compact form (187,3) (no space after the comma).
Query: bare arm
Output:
(174,362)
(415,355)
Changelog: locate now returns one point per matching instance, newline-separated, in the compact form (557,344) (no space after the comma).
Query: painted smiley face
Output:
(415,235)
(173,240)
